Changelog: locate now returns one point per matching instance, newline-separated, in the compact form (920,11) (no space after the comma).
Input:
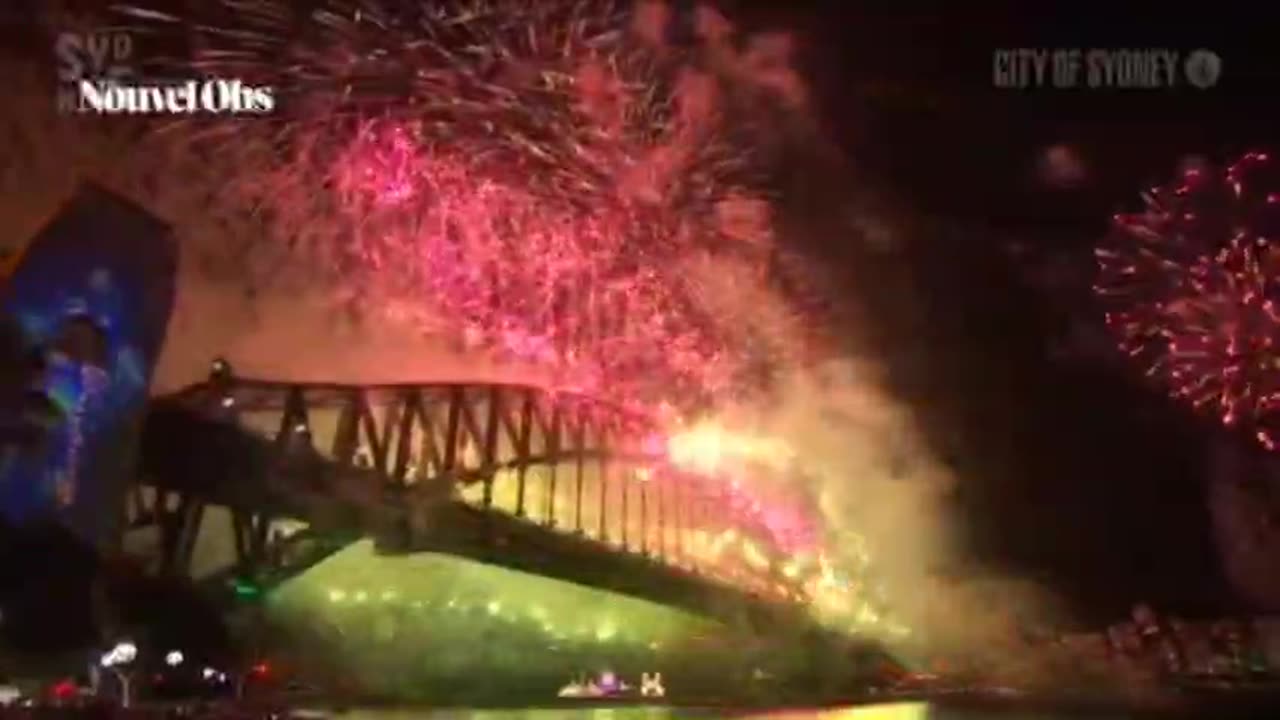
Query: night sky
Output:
(911,96)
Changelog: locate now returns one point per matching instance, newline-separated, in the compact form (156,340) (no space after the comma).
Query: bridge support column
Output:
(644,517)
(553,450)
(579,447)
(523,439)
(178,531)
(252,533)
(602,442)
(489,459)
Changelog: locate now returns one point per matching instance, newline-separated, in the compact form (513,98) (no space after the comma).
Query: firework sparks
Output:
(542,175)
(1191,288)
(543,179)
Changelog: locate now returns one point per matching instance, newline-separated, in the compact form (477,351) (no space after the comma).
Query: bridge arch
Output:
(514,475)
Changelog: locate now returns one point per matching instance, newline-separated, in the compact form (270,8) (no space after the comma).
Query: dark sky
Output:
(911,94)
(1073,473)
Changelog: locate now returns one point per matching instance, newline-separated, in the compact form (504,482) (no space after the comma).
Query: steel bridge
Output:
(551,483)
(249,480)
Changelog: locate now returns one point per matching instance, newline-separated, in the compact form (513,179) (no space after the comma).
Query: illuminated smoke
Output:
(1246,530)
(899,569)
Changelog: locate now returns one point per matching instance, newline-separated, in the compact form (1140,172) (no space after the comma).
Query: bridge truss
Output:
(553,483)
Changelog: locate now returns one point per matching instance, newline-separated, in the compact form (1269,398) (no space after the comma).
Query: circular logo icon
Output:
(1203,68)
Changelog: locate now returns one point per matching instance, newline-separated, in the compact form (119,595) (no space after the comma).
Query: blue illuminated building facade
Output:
(91,295)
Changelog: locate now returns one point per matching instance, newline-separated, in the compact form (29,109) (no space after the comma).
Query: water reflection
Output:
(898,711)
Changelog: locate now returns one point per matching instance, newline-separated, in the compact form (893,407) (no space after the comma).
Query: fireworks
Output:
(539,177)
(715,450)
(1191,286)
(547,180)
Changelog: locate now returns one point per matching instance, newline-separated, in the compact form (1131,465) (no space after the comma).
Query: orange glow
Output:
(709,447)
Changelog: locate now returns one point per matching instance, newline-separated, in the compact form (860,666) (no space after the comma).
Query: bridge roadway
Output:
(553,484)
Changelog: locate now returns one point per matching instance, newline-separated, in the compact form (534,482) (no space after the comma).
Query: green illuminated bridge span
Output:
(245,483)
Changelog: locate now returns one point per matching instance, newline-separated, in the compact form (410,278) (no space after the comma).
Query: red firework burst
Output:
(1191,286)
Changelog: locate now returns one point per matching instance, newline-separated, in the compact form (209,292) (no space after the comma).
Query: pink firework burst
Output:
(535,174)
(542,283)
(1191,286)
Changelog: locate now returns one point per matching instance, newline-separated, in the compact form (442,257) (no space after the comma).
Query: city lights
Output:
(122,654)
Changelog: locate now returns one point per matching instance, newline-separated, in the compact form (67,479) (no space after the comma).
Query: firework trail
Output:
(538,178)
(1191,285)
